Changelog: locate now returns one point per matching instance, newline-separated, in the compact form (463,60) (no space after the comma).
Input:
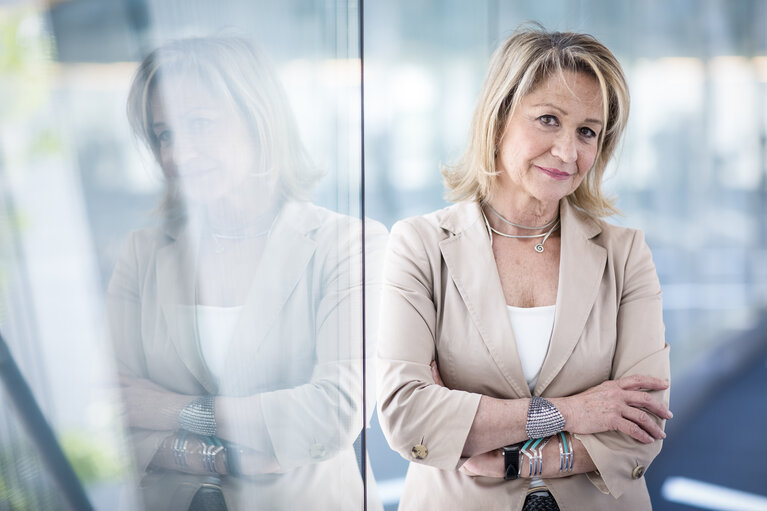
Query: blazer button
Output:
(419,451)
(638,472)
(317,451)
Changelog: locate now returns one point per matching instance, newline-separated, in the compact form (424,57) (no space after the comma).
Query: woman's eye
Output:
(549,120)
(165,137)
(200,124)
(587,132)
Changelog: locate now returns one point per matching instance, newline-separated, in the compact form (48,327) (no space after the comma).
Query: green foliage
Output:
(93,460)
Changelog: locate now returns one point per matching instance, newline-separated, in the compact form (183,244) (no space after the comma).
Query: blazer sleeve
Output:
(640,349)
(123,308)
(313,422)
(413,410)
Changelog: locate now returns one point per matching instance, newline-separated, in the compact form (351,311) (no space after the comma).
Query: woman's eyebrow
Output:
(563,112)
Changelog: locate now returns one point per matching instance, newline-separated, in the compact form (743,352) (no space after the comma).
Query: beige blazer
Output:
(443,300)
(297,343)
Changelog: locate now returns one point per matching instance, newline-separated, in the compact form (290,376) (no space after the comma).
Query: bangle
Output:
(199,416)
(211,446)
(543,419)
(179,449)
(533,449)
(566,453)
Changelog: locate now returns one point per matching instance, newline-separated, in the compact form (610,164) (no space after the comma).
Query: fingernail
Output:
(670,415)
(663,433)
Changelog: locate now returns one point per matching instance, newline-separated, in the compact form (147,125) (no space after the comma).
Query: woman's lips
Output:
(554,173)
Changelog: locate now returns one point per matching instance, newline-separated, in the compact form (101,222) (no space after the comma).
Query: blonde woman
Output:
(522,361)
(237,323)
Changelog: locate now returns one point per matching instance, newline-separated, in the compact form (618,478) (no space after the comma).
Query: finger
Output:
(642,381)
(435,374)
(644,421)
(632,429)
(641,399)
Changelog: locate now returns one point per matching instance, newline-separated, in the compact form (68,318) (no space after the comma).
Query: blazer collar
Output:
(286,255)
(469,257)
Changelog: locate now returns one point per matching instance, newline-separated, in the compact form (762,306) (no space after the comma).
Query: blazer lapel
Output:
(176,275)
(469,258)
(286,256)
(581,267)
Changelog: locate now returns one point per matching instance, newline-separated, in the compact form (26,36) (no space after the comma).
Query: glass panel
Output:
(183,288)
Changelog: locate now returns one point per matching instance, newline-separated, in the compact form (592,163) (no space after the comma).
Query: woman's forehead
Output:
(174,95)
(578,90)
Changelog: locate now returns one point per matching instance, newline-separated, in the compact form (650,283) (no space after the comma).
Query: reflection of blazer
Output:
(297,343)
(443,300)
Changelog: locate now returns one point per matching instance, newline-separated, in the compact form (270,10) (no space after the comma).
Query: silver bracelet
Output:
(566,458)
(199,416)
(210,448)
(179,449)
(543,419)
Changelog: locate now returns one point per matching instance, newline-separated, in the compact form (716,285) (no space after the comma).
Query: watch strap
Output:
(511,461)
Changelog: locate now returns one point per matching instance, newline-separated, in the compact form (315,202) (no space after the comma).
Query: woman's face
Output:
(551,140)
(204,143)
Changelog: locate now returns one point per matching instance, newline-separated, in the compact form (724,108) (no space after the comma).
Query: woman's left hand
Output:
(488,464)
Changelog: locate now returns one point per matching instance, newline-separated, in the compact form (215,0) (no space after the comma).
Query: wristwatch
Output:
(511,461)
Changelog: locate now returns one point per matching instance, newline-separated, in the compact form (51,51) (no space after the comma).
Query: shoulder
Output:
(438,225)
(142,243)
(324,225)
(622,242)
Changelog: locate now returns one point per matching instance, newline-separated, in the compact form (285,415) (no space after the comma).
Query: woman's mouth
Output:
(554,173)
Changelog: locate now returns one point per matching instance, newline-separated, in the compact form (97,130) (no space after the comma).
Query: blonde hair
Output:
(518,66)
(232,68)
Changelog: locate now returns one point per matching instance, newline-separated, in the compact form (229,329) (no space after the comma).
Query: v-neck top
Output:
(215,327)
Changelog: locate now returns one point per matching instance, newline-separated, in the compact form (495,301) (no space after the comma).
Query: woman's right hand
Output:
(621,405)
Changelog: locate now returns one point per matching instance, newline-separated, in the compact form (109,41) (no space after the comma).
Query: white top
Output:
(215,326)
(532,328)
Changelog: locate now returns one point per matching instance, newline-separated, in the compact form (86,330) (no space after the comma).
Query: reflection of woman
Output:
(237,323)
(549,381)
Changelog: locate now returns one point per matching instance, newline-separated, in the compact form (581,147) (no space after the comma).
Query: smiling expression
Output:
(203,142)
(551,141)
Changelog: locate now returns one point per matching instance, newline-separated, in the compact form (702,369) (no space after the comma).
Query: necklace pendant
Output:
(539,247)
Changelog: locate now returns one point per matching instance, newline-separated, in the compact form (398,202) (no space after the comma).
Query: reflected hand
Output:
(621,405)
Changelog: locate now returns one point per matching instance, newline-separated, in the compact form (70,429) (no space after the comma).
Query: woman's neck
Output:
(227,217)
(525,211)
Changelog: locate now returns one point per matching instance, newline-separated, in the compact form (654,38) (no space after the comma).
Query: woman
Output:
(237,322)
(522,361)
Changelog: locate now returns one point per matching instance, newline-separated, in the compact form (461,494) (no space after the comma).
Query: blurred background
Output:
(692,173)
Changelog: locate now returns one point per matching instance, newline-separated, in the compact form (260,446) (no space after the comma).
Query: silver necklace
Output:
(538,246)
(218,237)
(509,222)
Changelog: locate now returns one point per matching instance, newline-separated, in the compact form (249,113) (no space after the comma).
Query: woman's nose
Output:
(565,148)
(182,150)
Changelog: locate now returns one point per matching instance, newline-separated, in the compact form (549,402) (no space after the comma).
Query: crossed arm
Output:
(615,405)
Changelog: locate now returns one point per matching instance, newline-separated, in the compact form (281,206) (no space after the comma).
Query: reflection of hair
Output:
(232,68)
(524,61)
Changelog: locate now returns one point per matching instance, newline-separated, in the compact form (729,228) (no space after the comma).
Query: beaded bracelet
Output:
(199,416)
(543,418)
